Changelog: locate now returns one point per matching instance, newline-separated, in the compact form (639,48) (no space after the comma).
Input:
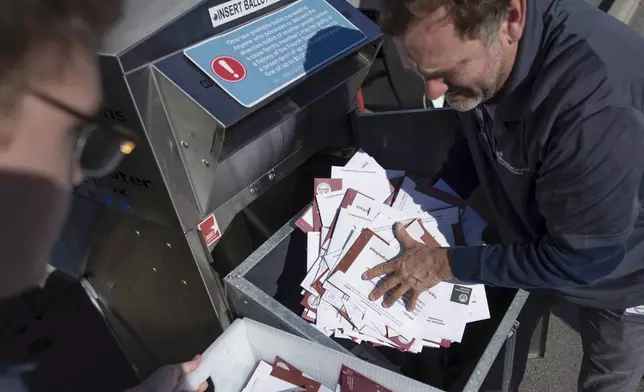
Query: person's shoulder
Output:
(591,61)
(592,98)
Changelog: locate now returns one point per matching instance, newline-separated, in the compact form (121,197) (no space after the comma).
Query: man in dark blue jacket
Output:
(556,142)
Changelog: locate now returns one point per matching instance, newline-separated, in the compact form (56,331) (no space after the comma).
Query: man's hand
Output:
(420,268)
(166,379)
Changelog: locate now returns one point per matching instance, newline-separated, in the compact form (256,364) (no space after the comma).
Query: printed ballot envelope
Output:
(349,229)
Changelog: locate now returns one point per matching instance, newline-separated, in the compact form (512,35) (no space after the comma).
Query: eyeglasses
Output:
(100,145)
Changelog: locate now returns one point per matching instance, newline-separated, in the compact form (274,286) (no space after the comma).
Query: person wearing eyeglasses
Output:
(52,136)
(555,89)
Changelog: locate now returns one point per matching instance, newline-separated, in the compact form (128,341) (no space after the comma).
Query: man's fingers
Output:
(403,236)
(397,294)
(380,269)
(189,367)
(203,387)
(384,286)
(413,300)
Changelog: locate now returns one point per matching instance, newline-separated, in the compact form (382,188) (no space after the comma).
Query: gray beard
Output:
(493,69)
(465,105)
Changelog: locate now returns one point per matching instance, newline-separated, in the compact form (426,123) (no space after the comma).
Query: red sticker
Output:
(229,69)
(210,230)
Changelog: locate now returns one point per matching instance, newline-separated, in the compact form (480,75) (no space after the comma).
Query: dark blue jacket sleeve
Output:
(588,190)
(539,264)
(459,171)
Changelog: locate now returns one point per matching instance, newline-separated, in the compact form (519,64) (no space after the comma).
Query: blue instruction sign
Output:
(262,57)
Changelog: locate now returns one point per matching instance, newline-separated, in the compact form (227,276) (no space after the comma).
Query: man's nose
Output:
(434,88)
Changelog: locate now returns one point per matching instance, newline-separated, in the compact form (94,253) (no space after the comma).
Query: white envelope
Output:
(352,239)
(329,318)
(262,381)
(333,296)
(355,313)
(451,329)
(371,335)
(351,283)
(365,207)
(437,223)
(312,248)
(478,309)
(314,273)
(409,200)
(328,204)
(443,186)
(417,346)
(324,244)
(368,338)
(362,160)
(373,183)
(345,225)
(441,221)
(320,269)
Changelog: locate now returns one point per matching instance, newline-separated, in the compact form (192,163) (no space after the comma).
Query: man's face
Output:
(42,137)
(467,72)
(38,168)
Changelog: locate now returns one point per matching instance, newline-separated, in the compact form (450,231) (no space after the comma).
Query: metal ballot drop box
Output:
(133,237)
(265,286)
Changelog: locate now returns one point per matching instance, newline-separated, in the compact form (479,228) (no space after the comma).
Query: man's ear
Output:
(515,20)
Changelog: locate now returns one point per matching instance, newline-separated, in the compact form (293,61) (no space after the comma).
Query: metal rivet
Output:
(168,245)
(205,163)
(154,269)
(184,282)
(253,190)
(184,144)
(271,176)
(138,233)
(245,302)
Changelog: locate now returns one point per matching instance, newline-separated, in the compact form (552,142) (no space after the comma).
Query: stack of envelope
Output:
(349,229)
(281,376)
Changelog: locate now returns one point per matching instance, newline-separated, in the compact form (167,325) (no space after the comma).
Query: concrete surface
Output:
(557,372)
(624,9)
(637,20)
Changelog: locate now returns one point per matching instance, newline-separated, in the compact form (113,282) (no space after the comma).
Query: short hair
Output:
(473,19)
(26,26)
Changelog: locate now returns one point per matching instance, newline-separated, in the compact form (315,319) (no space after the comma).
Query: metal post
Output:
(508,360)
(540,338)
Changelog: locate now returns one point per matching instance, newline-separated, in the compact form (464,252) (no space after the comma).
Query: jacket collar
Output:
(510,101)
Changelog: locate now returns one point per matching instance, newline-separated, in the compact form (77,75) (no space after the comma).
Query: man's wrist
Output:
(445,271)
(465,263)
